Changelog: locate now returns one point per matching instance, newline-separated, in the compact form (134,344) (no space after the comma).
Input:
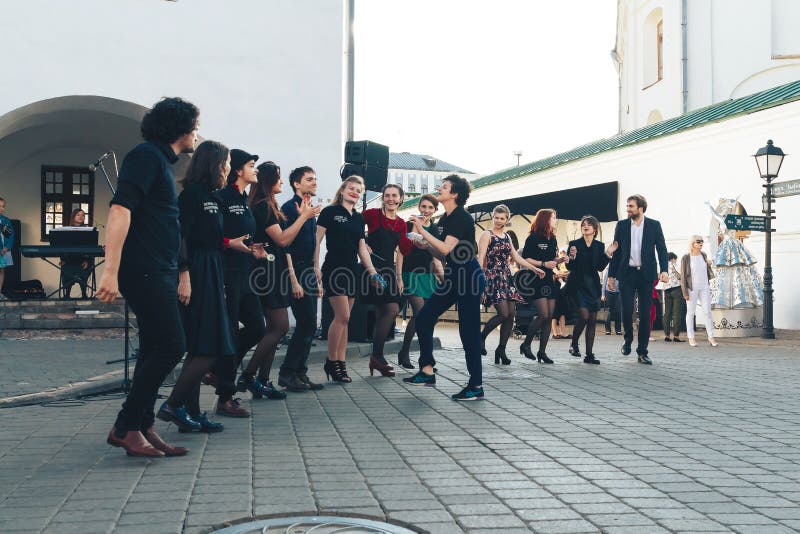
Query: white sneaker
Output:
(692,342)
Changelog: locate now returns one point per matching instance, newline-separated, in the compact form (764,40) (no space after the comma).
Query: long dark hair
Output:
(268,175)
(206,166)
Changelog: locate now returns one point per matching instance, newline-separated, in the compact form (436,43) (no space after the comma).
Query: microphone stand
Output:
(126,382)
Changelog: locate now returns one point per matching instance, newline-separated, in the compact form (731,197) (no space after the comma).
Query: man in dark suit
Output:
(637,240)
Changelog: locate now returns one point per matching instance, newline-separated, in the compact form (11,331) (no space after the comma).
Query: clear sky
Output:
(471,81)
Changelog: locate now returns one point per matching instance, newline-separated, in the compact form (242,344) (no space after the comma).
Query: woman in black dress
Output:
(342,227)
(541,250)
(386,233)
(587,258)
(201,287)
(274,278)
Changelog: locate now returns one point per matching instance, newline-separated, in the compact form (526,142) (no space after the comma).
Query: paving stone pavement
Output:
(703,441)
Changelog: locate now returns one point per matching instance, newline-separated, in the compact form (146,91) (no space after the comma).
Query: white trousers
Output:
(701,297)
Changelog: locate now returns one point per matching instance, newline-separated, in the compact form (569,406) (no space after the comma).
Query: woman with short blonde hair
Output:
(696,275)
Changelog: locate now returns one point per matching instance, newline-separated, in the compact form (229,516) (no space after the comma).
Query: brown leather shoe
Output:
(134,444)
(232,408)
(158,442)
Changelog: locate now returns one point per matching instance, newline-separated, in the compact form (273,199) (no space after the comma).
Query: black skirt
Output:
(340,280)
(205,319)
(386,295)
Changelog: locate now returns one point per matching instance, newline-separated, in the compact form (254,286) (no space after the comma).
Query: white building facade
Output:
(675,56)
(267,75)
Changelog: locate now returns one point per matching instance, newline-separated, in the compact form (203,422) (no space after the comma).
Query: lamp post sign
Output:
(746,222)
(785,189)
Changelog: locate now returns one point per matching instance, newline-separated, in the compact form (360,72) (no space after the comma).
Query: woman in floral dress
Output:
(494,254)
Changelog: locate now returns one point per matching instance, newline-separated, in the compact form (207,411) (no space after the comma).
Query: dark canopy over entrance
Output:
(599,200)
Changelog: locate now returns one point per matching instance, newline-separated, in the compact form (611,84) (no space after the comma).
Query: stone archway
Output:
(68,131)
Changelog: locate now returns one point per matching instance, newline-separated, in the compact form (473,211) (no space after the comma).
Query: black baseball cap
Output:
(239,158)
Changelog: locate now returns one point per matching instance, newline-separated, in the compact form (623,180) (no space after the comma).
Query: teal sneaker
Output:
(468,394)
(421,379)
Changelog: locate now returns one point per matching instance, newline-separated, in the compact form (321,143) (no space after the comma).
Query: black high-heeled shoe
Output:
(575,351)
(525,350)
(542,358)
(330,370)
(404,361)
(342,370)
(500,356)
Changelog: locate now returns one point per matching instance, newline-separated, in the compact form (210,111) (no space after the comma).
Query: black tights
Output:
(264,355)
(588,320)
(505,317)
(385,316)
(416,305)
(542,324)
(186,391)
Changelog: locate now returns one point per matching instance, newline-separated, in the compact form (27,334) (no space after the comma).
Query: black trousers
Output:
(305,316)
(674,311)
(243,306)
(612,301)
(153,297)
(463,285)
(633,283)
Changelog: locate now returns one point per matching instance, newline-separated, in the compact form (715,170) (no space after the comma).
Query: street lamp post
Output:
(518,153)
(769,160)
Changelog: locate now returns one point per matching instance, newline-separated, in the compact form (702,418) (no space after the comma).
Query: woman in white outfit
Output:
(697,274)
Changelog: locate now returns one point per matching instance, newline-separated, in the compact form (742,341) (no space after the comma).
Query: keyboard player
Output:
(76,269)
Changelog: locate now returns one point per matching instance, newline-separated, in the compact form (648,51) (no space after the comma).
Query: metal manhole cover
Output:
(315,525)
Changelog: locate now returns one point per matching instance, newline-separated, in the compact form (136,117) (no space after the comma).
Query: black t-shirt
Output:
(146,186)
(343,232)
(541,249)
(265,218)
(201,222)
(237,220)
(460,225)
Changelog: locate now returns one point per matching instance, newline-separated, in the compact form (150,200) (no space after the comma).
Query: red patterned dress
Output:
(499,281)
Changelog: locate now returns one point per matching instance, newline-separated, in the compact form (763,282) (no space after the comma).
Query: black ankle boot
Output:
(525,350)
(500,356)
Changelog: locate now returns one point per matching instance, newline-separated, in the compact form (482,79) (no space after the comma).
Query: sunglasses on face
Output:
(698,241)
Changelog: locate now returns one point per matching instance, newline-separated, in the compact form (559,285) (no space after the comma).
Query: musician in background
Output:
(75,268)
(6,243)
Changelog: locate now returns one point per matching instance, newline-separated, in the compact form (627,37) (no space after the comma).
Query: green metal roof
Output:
(776,96)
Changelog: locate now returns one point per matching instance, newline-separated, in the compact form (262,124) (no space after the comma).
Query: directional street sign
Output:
(746,222)
(786,189)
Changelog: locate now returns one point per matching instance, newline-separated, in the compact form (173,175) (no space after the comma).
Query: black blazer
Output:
(652,244)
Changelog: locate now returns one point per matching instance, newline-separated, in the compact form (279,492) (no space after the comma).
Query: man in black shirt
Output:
(463,285)
(142,244)
(293,374)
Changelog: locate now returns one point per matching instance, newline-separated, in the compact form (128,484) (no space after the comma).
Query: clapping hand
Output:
(573,251)
(612,248)
(308,210)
